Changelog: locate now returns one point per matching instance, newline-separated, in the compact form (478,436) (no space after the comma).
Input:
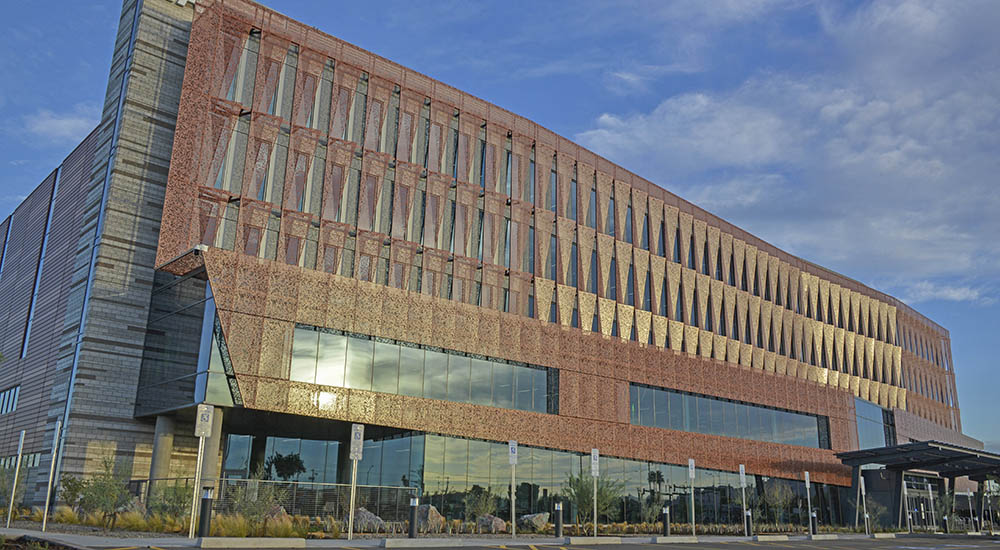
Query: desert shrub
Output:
(65,514)
(171,500)
(105,493)
(255,500)
(71,491)
(579,489)
(479,502)
(132,521)
(230,525)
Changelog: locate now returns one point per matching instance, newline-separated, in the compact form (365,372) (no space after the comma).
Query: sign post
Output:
(52,471)
(357,447)
(13,484)
(809,506)
(512,460)
(691,475)
(864,503)
(595,471)
(202,429)
(743,491)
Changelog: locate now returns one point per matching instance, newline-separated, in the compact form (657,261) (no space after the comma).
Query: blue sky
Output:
(862,136)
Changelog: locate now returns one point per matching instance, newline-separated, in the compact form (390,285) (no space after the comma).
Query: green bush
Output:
(171,500)
(105,494)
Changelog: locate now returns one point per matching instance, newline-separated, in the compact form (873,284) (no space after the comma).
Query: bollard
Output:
(205,517)
(414,502)
(559,520)
(666,521)
(747,524)
(812,523)
(946,529)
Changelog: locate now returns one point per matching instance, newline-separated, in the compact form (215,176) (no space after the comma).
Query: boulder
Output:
(367,522)
(534,522)
(491,524)
(429,520)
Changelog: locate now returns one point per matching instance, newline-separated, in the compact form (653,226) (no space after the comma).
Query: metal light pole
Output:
(52,472)
(809,507)
(743,493)
(595,470)
(691,475)
(17,472)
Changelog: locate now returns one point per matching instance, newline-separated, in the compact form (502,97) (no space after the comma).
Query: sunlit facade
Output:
(307,235)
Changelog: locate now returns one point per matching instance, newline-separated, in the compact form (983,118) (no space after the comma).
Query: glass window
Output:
(435,375)
(645,406)
(458,378)
(304,349)
(503,385)
(411,371)
(395,461)
(313,454)
(481,391)
(385,372)
(717,423)
(677,421)
(660,409)
(359,363)
(731,419)
(633,405)
(539,382)
(332,358)
(704,415)
(523,387)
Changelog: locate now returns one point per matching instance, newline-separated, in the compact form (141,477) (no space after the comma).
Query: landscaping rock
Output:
(534,522)
(367,522)
(491,524)
(429,520)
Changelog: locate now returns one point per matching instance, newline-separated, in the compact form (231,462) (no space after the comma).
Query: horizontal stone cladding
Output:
(123,201)
(301,153)
(35,373)
(595,372)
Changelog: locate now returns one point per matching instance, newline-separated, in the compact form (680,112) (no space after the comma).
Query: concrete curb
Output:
(770,538)
(883,535)
(828,536)
(593,540)
(250,542)
(679,539)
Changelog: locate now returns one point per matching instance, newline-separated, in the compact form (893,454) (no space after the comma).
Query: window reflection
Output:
(326,357)
(665,408)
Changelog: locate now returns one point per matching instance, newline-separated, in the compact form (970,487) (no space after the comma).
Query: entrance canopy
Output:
(944,459)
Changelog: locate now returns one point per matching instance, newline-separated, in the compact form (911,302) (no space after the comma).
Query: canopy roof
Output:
(943,459)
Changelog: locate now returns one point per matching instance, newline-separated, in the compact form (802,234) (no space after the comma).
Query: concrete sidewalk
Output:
(87,542)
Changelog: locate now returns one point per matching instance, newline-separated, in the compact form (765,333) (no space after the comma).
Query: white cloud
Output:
(68,126)
(925,291)
(883,168)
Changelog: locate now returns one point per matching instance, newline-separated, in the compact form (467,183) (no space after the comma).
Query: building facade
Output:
(307,235)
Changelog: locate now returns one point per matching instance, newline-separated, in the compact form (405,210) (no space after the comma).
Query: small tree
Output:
(778,499)
(256,499)
(71,490)
(579,489)
(106,493)
(479,502)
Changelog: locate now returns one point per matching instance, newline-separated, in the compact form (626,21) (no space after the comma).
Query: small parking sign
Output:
(595,463)
(512,452)
(357,441)
(203,420)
